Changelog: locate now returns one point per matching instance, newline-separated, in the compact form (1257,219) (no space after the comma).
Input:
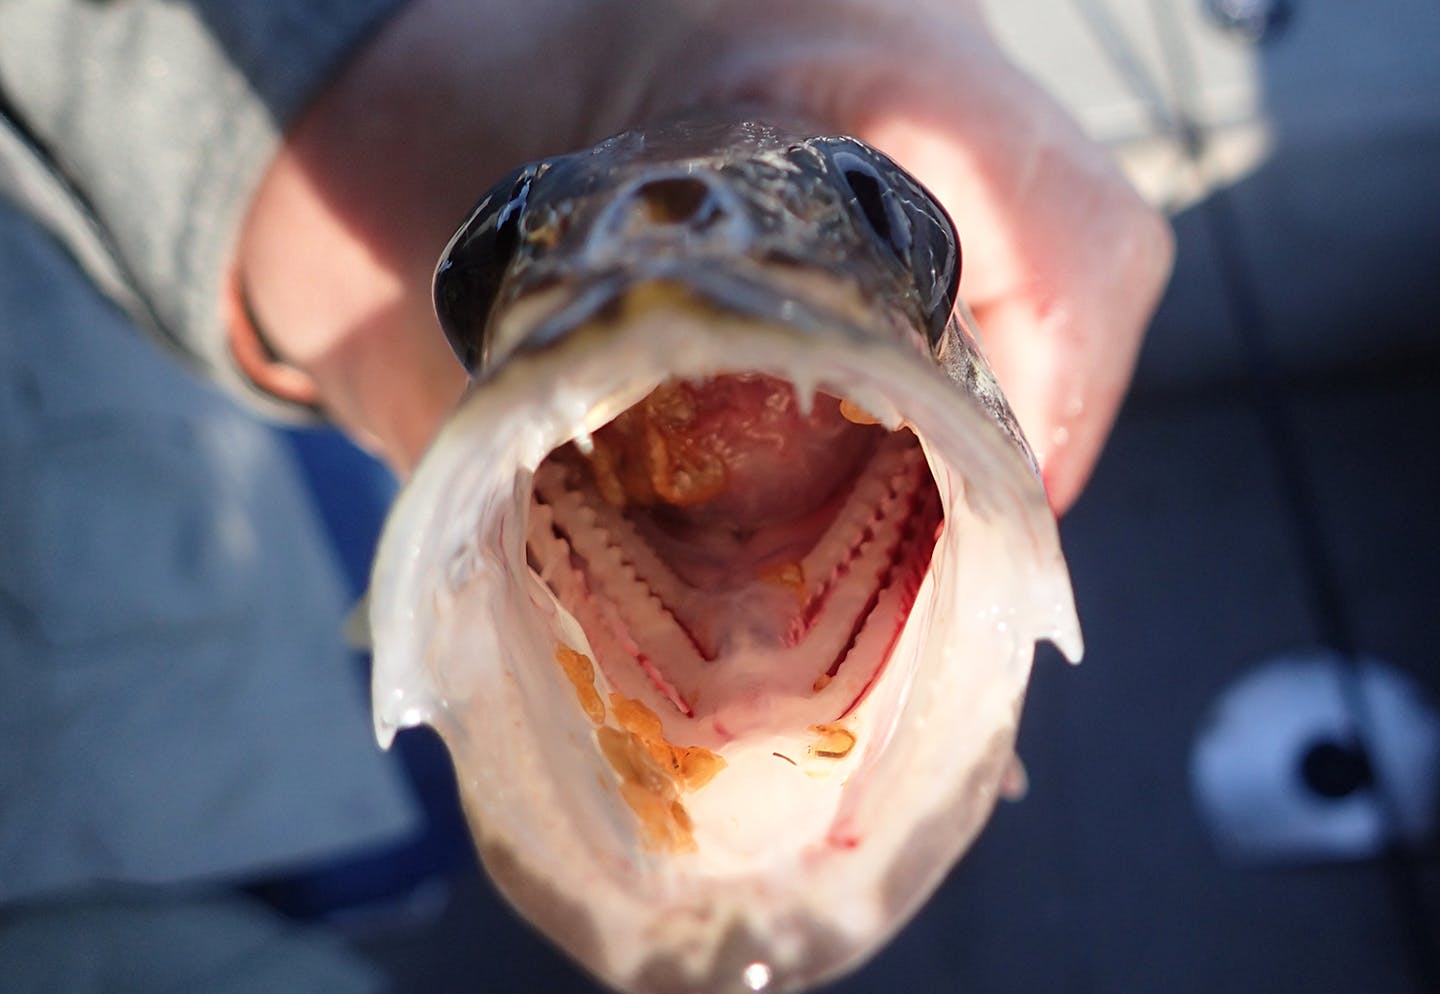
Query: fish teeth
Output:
(864,405)
(883,410)
(804,387)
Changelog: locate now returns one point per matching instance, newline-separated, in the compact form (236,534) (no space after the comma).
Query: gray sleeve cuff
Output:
(162,118)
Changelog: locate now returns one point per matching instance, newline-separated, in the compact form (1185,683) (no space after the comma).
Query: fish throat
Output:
(741,562)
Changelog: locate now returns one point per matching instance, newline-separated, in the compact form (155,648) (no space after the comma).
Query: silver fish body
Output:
(723,582)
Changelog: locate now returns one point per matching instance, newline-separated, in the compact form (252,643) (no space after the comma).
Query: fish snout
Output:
(676,211)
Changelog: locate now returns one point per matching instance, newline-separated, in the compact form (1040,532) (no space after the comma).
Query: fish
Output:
(723,582)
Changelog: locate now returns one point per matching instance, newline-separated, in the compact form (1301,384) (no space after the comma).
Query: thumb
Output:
(1064,263)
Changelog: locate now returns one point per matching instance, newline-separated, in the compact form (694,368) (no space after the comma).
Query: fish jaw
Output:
(816,841)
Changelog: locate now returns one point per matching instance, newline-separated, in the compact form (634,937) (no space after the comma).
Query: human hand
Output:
(1063,262)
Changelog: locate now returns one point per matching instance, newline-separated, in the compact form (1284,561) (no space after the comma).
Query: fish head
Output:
(722,584)
(744,216)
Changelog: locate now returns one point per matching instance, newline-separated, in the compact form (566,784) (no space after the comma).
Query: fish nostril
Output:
(678,200)
(681,212)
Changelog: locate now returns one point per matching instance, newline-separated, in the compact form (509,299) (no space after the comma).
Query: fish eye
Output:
(910,224)
(877,202)
(474,263)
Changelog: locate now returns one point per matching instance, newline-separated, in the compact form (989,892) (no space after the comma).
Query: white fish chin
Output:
(785,827)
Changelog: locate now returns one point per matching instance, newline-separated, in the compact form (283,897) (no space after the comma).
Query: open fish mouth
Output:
(722,584)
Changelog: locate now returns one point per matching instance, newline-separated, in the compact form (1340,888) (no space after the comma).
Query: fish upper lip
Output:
(745,292)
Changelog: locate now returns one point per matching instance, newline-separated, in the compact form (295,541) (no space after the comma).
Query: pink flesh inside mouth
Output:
(737,562)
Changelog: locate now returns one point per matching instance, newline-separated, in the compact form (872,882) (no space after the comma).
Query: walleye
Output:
(722,584)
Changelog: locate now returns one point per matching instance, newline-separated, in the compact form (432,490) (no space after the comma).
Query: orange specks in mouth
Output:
(821,682)
(835,742)
(648,789)
(581,673)
(663,820)
(790,575)
(856,414)
(636,716)
(650,454)
(653,772)
(603,466)
(631,760)
(692,766)
(698,766)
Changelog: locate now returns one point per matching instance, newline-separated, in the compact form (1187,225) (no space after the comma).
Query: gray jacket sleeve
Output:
(138,131)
